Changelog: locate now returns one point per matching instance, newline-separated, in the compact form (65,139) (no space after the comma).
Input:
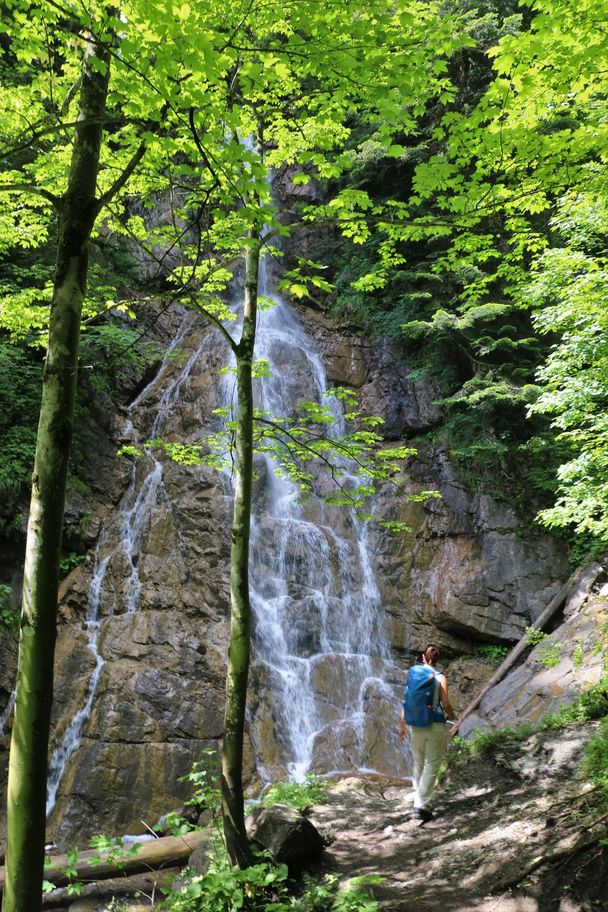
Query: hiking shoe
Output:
(423,814)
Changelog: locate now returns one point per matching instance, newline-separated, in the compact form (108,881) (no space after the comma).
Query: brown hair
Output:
(431,654)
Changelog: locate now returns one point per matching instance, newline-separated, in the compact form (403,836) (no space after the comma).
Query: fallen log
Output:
(582,577)
(92,865)
(119,888)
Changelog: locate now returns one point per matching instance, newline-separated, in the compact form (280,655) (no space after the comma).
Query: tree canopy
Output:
(460,155)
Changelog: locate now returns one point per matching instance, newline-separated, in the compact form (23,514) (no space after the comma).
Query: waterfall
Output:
(320,651)
(318,697)
(122,538)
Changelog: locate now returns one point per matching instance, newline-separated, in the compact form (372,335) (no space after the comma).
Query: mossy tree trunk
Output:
(235,836)
(77,210)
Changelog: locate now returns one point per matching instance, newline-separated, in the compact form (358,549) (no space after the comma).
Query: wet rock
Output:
(462,576)
(126,782)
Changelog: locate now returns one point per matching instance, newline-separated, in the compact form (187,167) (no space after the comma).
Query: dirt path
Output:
(496,820)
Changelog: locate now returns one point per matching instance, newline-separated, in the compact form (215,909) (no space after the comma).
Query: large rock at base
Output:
(290,837)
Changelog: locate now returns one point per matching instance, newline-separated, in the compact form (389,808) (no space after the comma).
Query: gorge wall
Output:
(143,633)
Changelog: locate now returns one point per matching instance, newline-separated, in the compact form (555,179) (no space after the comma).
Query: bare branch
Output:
(122,179)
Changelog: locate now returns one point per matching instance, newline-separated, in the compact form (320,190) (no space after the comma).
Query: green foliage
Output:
(68,563)
(299,795)
(20,382)
(484,743)
(510,174)
(356,897)
(9,613)
(111,850)
(534,636)
(265,887)
(353,451)
(492,652)
(176,824)
(595,761)
(109,353)
(578,653)
(592,704)
(262,887)
(569,286)
(204,777)
(585,548)
(551,653)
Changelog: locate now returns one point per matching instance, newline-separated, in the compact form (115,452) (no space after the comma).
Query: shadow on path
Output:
(511,834)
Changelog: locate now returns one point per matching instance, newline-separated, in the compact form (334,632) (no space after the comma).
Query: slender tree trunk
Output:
(30,736)
(235,836)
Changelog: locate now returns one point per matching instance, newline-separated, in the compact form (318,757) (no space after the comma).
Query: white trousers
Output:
(429,745)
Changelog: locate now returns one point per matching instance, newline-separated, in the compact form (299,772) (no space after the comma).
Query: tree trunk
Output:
(26,804)
(235,836)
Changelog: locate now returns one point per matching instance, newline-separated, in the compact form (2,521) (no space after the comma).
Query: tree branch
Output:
(122,179)
(32,188)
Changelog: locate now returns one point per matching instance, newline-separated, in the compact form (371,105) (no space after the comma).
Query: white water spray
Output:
(123,538)
(320,648)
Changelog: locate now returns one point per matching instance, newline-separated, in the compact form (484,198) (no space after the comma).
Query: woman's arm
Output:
(403,726)
(444,698)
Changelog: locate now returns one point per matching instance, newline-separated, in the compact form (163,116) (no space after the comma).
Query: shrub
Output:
(595,761)
(492,652)
(9,613)
(299,795)
(265,887)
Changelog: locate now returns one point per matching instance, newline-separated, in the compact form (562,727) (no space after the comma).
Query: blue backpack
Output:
(419,704)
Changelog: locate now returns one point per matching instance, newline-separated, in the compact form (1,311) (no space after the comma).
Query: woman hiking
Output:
(425,708)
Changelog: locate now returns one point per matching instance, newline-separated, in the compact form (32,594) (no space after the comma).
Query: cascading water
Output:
(318,697)
(320,652)
(122,539)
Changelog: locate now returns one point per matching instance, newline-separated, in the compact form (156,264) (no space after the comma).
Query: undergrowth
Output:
(9,613)
(298,795)
(595,762)
(264,886)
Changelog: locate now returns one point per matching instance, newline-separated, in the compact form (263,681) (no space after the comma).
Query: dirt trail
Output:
(498,823)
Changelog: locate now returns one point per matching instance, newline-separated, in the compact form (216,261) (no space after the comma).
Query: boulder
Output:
(289,836)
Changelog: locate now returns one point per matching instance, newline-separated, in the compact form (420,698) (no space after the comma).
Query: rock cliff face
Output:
(465,574)
(144,618)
